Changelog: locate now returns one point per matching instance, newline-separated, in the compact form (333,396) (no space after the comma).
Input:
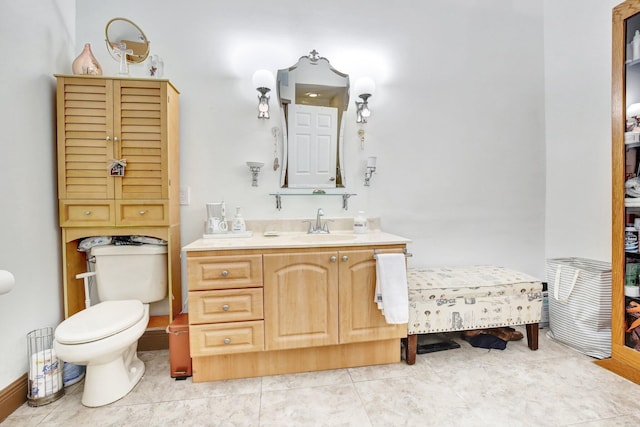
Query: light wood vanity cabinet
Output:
(100,120)
(267,312)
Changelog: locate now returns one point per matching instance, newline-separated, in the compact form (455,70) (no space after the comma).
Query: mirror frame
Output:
(283,75)
(136,58)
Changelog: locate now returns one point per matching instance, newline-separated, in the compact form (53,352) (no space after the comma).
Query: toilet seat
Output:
(99,321)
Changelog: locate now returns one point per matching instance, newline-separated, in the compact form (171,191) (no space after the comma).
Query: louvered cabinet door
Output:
(85,138)
(140,111)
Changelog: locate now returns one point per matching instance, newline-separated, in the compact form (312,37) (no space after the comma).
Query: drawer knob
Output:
(333,258)
(345,258)
(225,273)
(87,212)
(225,307)
(142,212)
(227,340)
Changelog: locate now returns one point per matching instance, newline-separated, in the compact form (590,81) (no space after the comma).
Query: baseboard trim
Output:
(154,339)
(13,396)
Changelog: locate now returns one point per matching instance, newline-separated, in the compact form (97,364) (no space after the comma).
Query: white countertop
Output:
(297,239)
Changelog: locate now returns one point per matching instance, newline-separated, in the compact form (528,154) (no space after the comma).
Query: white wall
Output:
(457,124)
(37,38)
(578,128)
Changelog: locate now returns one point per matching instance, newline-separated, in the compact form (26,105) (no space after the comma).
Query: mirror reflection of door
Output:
(313,138)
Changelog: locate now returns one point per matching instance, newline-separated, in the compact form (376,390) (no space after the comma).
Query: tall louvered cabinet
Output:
(118,173)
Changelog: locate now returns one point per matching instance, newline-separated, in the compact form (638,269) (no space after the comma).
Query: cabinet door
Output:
(140,126)
(100,120)
(360,318)
(85,138)
(300,300)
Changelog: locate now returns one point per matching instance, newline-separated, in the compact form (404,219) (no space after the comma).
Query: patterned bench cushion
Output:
(447,299)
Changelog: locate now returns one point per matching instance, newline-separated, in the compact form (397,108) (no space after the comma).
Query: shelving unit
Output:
(101,120)
(625,360)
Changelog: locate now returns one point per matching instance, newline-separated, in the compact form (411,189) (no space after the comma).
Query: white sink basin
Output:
(320,238)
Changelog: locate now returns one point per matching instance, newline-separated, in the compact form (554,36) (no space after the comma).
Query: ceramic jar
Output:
(86,63)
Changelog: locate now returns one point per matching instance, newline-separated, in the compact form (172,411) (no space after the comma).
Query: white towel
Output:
(392,295)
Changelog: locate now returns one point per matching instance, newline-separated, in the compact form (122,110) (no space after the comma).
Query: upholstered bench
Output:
(447,299)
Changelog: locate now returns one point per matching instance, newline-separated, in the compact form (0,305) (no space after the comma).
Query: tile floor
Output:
(554,386)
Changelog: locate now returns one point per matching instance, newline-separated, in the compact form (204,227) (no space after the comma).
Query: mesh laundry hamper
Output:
(580,304)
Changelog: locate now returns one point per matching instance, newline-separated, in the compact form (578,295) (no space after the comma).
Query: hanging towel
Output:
(392,295)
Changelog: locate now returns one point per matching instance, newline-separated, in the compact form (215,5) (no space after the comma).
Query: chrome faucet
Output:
(319,227)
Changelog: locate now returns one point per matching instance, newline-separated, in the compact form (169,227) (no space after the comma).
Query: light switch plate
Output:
(185,195)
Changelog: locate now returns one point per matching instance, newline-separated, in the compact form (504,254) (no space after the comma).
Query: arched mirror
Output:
(313,98)
(121,31)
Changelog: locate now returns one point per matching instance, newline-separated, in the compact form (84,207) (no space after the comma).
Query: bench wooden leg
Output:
(411,349)
(532,335)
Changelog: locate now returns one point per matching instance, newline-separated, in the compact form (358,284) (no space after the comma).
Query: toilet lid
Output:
(99,321)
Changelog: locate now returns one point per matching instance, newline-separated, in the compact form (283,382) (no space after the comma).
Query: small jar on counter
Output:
(361,225)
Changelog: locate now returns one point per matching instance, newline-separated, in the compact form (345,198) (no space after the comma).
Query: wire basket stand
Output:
(45,370)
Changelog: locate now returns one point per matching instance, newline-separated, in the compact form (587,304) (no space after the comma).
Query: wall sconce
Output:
(254,167)
(263,81)
(364,88)
(371,168)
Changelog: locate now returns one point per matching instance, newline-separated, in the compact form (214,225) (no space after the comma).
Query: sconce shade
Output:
(263,78)
(633,110)
(371,162)
(365,86)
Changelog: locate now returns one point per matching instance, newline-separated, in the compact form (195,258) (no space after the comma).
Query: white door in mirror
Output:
(313,145)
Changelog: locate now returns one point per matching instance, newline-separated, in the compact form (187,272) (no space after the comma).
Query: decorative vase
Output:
(86,63)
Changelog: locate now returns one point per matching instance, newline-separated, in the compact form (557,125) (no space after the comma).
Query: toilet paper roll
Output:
(45,375)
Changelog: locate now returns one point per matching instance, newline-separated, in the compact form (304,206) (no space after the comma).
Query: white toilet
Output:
(104,337)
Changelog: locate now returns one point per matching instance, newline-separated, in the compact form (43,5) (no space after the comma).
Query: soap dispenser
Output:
(360,224)
(238,223)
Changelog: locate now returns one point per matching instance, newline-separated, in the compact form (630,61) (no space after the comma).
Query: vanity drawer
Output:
(225,305)
(226,338)
(224,272)
(142,213)
(87,213)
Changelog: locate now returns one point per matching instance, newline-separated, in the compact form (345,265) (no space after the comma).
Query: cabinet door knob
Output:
(142,212)
(108,138)
(225,307)
(227,340)
(345,258)
(115,139)
(87,212)
(333,258)
(225,273)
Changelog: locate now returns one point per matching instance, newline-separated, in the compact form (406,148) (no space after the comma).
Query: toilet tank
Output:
(131,272)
